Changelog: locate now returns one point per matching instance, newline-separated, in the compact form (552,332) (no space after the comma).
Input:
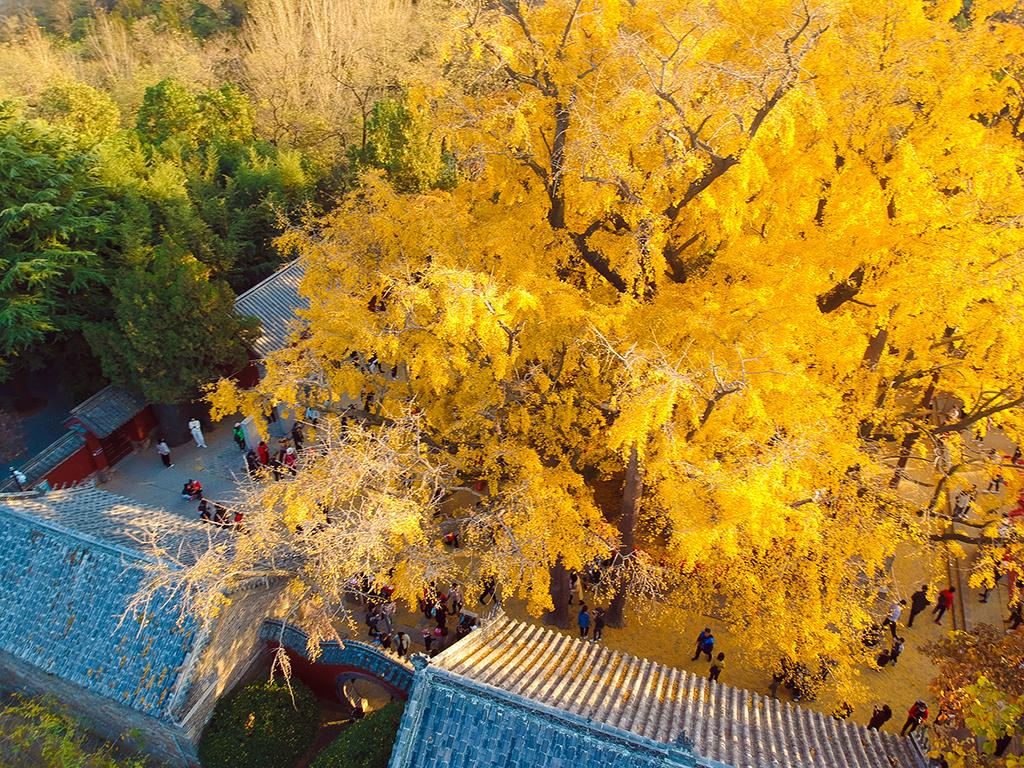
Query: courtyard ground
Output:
(143,477)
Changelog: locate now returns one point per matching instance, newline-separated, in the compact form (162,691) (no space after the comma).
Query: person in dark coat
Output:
(1017,614)
(489,584)
(918,602)
(897,649)
(880,717)
(402,644)
(598,623)
(252,463)
(717,666)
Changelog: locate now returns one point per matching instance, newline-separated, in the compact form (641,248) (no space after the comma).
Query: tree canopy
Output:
(981,691)
(52,225)
(173,330)
(719,256)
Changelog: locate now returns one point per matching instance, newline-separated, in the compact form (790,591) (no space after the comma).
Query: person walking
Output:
(598,623)
(717,666)
(165,452)
(944,603)
(489,584)
(705,644)
(297,436)
(455,595)
(917,715)
(239,436)
(20,478)
(961,503)
(584,621)
(880,717)
(1017,614)
(402,645)
(895,611)
(897,649)
(918,602)
(263,451)
(997,574)
(197,433)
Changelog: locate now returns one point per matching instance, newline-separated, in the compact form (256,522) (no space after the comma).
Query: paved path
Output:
(143,477)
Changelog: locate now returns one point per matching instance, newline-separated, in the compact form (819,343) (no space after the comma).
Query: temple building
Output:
(515,695)
(71,562)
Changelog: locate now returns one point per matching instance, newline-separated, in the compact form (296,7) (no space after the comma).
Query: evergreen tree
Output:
(174,328)
(52,223)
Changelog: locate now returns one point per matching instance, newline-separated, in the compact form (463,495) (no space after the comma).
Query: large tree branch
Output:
(978,415)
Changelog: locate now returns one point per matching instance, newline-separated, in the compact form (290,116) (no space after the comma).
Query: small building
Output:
(112,422)
(71,562)
(515,695)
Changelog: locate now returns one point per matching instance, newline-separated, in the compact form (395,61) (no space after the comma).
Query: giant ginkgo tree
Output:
(715,255)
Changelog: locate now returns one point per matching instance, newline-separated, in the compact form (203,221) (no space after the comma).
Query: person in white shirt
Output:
(197,433)
(165,453)
(895,611)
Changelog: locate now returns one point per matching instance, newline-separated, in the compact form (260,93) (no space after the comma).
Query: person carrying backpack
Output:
(880,717)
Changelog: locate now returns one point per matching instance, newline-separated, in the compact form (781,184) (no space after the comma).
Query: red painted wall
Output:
(322,678)
(75,467)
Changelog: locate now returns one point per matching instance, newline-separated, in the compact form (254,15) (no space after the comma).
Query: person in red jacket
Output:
(917,715)
(263,452)
(944,603)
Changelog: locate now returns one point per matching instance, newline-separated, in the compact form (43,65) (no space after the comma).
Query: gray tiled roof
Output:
(108,409)
(50,457)
(106,517)
(63,599)
(725,724)
(274,302)
(452,722)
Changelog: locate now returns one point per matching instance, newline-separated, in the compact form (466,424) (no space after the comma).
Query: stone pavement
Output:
(143,477)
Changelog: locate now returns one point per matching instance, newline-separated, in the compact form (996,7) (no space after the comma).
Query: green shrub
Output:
(366,743)
(259,727)
(38,733)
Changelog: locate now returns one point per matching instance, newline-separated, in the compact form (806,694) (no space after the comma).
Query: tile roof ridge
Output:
(65,532)
(273,276)
(700,699)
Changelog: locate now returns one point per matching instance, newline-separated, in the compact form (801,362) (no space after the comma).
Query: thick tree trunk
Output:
(559,597)
(908,442)
(632,491)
